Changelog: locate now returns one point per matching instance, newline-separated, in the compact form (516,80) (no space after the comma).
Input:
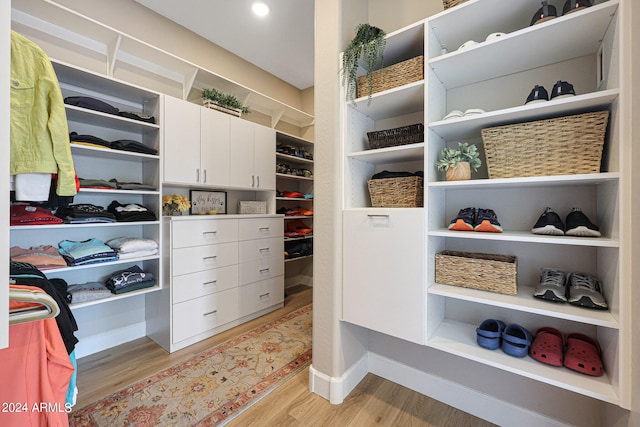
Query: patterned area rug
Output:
(214,386)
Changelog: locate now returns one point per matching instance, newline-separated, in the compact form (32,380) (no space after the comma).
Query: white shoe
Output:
(473,112)
(453,114)
(468,44)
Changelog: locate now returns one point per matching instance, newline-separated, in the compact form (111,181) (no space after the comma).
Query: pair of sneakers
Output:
(560,90)
(581,289)
(472,219)
(577,224)
(548,11)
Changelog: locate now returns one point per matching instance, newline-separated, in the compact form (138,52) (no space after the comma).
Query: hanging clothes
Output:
(39,131)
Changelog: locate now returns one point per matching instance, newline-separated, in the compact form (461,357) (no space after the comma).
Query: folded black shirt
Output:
(134,146)
(91,104)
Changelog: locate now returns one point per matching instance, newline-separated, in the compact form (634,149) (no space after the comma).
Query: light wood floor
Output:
(375,401)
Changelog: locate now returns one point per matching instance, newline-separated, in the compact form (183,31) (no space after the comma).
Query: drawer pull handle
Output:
(264,295)
(262,270)
(209,232)
(264,249)
(210,313)
(207,258)
(263,228)
(378,215)
(213,282)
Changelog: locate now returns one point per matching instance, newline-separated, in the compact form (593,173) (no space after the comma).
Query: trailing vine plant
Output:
(368,45)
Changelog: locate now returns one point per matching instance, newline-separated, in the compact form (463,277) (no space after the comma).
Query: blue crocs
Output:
(516,340)
(489,333)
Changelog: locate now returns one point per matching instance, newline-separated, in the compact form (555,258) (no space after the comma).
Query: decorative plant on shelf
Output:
(458,162)
(226,101)
(368,45)
(175,204)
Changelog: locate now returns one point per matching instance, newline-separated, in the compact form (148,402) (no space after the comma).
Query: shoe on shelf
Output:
(538,94)
(552,286)
(562,90)
(453,114)
(467,44)
(571,6)
(473,111)
(579,225)
(489,333)
(547,346)
(546,12)
(549,223)
(465,220)
(494,36)
(583,354)
(487,220)
(516,340)
(585,290)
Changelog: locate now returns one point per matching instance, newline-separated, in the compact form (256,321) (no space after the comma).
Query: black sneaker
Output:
(546,12)
(549,223)
(562,90)
(579,225)
(574,5)
(538,94)
(465,220)
(486,220)
(552,286)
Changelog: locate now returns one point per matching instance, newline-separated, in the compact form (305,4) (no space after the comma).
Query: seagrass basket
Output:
(450,3)
(560,146)
(402,192)
(487,272)
(402,73)
(404,135)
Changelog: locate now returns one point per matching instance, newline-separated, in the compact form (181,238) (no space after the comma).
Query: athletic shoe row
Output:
(577,224)
(584,290)
(472,219)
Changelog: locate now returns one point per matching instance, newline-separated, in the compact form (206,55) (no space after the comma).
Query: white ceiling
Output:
(280,43)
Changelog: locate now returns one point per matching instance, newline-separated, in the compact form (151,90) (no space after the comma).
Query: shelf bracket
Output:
(188,83)
(276,116)
(112,55)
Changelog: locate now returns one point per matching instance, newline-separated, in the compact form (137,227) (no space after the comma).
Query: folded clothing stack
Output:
(86,252)
(84,213)
(130,279)
(43,257)
(133,247)
(89,291)
(31,215)
(131,212)
(120,144)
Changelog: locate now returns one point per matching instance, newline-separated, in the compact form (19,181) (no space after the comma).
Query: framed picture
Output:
(205,201)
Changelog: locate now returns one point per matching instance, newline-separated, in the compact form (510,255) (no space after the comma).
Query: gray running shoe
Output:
(585,290)
(552,286)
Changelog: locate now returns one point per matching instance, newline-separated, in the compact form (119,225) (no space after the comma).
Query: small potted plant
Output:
(458,162)
(368,45)
(175,204)
(226,103)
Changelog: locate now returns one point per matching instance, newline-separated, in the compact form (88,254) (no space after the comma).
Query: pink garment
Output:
(35,372)
(44,257)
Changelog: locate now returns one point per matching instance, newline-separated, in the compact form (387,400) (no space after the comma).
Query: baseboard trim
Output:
(335,389)
(468,400)
(102,341)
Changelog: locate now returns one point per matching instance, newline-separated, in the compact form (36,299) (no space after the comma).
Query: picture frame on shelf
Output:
(206,202)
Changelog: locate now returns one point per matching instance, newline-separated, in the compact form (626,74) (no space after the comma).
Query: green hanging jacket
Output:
(39,130)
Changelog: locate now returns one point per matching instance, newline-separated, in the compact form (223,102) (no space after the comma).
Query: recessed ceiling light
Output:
(260,9)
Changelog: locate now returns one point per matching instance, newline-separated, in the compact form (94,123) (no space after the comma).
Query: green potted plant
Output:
(368,46)
(458,162)
(213,98)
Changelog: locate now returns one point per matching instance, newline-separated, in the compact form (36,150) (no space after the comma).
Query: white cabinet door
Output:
(181,141)
(242,154)
(383,276)
(265,157)
(214,147)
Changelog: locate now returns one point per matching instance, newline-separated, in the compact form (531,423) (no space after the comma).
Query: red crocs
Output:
(583,355)
(547,346)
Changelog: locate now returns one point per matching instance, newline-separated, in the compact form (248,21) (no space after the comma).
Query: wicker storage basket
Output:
(487,272)
(561,146)
(398,136)
(450,3)
(403,192)
(396,75)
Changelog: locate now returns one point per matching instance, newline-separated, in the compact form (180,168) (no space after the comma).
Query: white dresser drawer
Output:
(260,228)
(200,258)
(194,285)
(199,315)
(260,295)
(203,232)
(260,269)
(251,250)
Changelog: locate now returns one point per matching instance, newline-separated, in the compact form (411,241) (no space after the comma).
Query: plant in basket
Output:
(226,102)
(458,162)
(368,45)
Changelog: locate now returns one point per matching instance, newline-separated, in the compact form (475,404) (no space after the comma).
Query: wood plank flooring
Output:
(375,401)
